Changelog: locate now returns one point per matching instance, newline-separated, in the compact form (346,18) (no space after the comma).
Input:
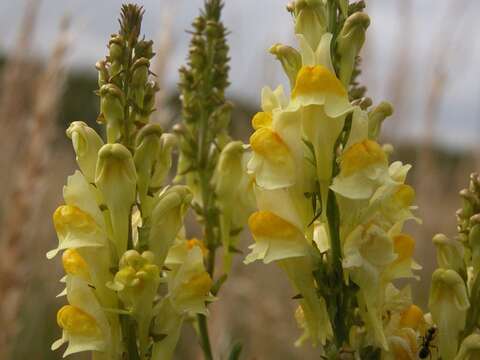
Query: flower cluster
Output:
(118,230)
(330,206)
(455,286)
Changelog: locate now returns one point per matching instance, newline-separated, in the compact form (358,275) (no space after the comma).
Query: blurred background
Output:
(422,56)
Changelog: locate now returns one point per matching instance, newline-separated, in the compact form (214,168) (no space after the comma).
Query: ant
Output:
(426,340)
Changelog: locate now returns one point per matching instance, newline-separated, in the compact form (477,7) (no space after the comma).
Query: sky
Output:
(400,49)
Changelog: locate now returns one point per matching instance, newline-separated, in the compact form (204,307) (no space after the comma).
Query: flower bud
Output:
(116,179)
(449,253)
(86,143)
(228,177)
(164,160)
(140,72)
(112,102)
(144,49)
(116,48)
(350,41)
(103,75)
(448,304)
(290,59)
(136,280)
(376,118)
(147,145)
(167,219)
(310,20)
(474,242)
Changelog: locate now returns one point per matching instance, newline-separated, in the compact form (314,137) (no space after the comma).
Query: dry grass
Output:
(24,202)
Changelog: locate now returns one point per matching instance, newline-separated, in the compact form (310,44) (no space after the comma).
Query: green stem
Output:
(340,326)
(129,337)
(204,338)
(207,195)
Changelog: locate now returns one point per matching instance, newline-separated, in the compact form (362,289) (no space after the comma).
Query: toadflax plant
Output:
(129,284)
(331,207)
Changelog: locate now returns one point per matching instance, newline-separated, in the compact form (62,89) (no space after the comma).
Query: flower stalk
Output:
(120,227)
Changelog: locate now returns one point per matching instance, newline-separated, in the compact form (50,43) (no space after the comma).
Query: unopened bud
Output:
(116,48)
(167,219)
(350,41)
(116,179)
(448,303)
(147,145)
(290,59)
(112,102)
(103,75)
(164,160)
(144,49)
(140,72)
(449,253)
(86,143)
(376,118)
(310,20)
(470,348)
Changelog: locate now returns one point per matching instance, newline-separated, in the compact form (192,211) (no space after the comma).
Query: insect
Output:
(426,343)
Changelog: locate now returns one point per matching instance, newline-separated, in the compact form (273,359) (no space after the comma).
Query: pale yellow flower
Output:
(84,324)
(275,238)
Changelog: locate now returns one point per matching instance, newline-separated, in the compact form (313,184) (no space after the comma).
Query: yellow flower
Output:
(412,317)
(189,284)
(361,156)
(75,264)
(136,283)
(368,251)
(262,119)
(75,229)
(76,321)
(272,162)
(401,267)
(317,79)
(275,238)
(84,324)
(78,192)
(363,169)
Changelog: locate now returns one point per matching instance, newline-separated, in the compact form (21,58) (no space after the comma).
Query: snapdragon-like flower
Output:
(76,229)
(189,286)
(275,238)
(84,324)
